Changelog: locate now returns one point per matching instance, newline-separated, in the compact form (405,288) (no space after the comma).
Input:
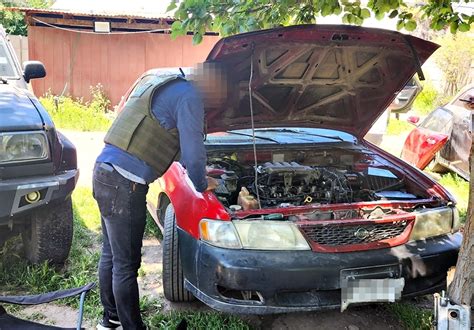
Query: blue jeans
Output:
(122,205)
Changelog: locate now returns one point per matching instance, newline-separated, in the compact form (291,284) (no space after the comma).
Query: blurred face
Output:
(212,82)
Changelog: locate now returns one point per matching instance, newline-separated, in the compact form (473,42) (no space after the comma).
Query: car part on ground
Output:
(38,166)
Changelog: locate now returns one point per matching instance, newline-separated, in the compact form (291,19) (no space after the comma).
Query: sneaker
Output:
(109,322)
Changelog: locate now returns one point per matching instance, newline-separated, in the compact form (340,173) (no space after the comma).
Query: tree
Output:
(14,22)
(455,58)
(229,16)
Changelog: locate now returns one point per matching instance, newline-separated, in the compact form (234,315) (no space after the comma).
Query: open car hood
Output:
(326,76)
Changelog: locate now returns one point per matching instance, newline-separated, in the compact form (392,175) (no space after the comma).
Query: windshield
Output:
(7,69)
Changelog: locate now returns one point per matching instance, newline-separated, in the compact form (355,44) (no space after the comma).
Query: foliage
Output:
(230,17)
(455,58)
(411,316)
(199,320)
(13,21)
(19,277)
(459,188)
(397,127)
(74,114)
(426,101)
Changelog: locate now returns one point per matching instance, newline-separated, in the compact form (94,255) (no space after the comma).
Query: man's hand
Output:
(211,183)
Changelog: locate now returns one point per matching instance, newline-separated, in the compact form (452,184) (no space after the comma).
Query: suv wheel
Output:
(173,279)
(49,236)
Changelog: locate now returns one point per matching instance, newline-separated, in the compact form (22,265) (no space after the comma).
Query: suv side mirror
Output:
(33,70)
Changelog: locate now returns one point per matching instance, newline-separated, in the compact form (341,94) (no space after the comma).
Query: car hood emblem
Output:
(361,233)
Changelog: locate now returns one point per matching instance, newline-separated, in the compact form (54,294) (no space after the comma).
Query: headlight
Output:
(270,235)
(433,222)
(255,235)
(219,233)
(23,146)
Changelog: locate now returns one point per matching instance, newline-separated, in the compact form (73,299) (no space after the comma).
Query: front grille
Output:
(333,235)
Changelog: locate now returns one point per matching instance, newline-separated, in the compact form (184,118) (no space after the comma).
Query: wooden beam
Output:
(74,22)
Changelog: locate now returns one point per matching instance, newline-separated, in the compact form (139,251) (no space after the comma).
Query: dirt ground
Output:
(89,146)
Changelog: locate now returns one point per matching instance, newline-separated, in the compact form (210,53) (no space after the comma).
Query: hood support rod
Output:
(253,126)
(421,76)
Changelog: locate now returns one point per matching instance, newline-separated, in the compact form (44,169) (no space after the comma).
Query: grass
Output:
(397,127)
(74,114)
(412,317)
(19,277)
(459,188)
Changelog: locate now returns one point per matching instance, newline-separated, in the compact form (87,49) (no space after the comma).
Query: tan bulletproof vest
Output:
(139,133)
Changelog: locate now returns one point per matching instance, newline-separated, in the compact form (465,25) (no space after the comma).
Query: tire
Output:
(173,278)
(49,236)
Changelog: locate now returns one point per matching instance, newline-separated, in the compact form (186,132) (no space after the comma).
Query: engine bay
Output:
(295,178)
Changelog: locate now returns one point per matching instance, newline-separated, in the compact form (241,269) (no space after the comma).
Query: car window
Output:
(439,120)
(464,99)
(7,69)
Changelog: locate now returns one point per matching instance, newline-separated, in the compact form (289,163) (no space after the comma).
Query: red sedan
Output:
(317,217)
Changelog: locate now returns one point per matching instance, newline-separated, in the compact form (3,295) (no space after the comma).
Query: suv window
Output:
(439,120)
(7,68)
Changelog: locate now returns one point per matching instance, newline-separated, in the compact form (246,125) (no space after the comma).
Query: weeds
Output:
(413,318)
(426,101)
(459,188)
(75,114)
(397,127)
(19,277)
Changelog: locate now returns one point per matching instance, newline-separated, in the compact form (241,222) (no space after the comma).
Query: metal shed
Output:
(77,58)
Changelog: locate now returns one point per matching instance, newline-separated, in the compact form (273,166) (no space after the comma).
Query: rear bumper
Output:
(54,188)
(289,281)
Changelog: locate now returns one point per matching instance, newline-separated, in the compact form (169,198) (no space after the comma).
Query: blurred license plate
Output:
(382,284)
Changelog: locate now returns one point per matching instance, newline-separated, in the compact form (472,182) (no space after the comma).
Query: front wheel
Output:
(173,278)
(49,235)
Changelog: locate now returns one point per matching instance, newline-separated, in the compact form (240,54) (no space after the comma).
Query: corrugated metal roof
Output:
(32,11)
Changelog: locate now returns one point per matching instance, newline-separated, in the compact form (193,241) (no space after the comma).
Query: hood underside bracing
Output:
(337,77)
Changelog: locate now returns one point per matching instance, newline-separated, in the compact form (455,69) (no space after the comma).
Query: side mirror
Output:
(413,120)
(33,70)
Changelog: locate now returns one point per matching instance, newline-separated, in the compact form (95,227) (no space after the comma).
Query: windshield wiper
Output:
(256,136)
(286,130)
(3,80)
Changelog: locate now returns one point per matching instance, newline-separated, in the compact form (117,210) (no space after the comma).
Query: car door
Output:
(428,138)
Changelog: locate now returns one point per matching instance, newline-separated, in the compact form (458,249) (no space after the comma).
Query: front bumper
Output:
(54,188)
(289,281)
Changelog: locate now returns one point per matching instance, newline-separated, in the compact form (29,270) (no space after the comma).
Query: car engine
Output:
(295,184)
(284,184)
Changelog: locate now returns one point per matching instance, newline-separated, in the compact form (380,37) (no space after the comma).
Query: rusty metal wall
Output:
(76,61)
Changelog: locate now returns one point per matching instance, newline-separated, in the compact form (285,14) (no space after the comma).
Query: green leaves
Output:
(464,27)
(234,16)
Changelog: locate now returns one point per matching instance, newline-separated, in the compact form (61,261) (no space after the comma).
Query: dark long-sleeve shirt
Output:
(176,105)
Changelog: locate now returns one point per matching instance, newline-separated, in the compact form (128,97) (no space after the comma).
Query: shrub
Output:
(426,101)
(75,114)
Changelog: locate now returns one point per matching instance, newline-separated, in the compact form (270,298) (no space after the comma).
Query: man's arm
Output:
(190,124)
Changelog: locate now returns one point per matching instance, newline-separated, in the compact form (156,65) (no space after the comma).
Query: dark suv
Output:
(38,166)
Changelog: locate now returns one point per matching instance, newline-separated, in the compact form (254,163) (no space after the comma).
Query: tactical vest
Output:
(138,132)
